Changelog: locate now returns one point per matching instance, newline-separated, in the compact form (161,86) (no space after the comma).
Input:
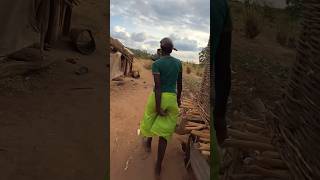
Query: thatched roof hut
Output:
(121,59)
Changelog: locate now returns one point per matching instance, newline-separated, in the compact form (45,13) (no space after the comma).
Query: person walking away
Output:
(162,109)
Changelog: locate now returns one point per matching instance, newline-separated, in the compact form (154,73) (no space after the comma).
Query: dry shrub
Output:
(188,70)
(199,73)
(252,20)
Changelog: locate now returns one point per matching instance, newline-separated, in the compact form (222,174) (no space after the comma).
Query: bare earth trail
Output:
(128,159)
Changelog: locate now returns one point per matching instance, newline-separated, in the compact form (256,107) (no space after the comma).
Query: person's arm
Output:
(179,87)
(157,89)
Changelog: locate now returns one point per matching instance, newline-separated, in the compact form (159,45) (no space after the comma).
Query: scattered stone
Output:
(135,74)
(120,83)
(71,60)
(248,160)
(82,70)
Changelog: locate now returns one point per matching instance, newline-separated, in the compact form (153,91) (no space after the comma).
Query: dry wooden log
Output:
(245,176)
(204,139)
(206,153)
(274,163)
(194,120)
(194,127)
(256,122)
(248,145)
(195,113)
(206,131)
(204,145)
(271,154)
(194,124)
(200,134)
(282,174)
(248,136)
(187,106)
(254,128)
(204,148)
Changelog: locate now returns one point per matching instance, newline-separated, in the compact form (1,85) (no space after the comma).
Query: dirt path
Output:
(52,122)
(128,160)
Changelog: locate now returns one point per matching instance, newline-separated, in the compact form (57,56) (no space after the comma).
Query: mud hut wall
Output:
(21,23)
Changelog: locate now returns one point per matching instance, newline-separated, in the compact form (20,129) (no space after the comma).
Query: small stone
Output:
(82,70)
(71,60)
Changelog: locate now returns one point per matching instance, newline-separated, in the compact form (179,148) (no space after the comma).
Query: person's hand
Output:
(162,112)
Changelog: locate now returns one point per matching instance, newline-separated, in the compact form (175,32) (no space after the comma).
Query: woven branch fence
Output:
(296,123)
(204,92)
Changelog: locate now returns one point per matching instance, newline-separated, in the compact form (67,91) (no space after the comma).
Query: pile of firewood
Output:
(195,125)
(249,152)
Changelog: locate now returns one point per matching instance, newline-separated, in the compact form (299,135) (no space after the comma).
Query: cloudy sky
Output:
(141,24)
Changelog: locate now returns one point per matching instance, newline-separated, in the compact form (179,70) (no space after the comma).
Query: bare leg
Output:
(161,151)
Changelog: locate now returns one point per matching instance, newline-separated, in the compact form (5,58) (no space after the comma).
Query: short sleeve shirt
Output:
(169,69)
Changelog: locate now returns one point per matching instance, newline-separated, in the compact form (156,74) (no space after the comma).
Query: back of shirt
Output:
(169,69)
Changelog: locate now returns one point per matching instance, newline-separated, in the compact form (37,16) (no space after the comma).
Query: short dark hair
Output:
(166,45)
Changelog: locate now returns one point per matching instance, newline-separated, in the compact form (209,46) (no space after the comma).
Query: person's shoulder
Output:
(176,59)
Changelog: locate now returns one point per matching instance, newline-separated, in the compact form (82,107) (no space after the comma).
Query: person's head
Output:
(166,46)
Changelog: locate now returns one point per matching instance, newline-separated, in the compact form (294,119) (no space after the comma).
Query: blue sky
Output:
(141,24)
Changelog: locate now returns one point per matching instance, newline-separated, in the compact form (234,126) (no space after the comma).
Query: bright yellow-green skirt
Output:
(155,125)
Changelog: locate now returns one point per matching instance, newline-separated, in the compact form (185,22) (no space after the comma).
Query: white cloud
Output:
(187,22)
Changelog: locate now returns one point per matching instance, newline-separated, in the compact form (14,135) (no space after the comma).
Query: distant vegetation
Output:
(193,68)
(143,54)
(282,25)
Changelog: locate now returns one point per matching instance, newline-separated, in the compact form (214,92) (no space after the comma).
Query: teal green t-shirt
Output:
(169,68)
